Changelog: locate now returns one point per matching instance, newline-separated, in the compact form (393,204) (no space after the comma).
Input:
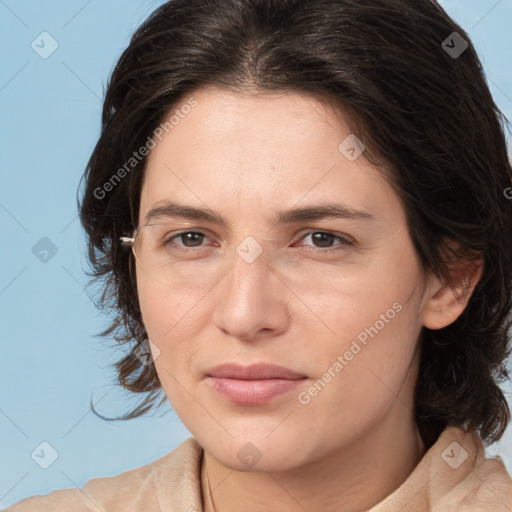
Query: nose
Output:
(251,299)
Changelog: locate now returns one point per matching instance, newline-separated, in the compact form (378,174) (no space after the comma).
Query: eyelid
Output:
(346,238)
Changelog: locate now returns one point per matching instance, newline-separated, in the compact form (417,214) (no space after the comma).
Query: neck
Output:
(350,479)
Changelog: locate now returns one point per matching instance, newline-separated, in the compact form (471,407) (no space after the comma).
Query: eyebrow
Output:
(309,213)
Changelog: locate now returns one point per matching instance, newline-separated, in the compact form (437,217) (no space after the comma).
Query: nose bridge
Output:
(250,266)
(246,299)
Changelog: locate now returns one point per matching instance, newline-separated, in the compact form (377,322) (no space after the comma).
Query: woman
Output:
(300,212)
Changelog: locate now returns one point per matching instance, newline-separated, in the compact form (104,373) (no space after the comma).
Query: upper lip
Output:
(253,372)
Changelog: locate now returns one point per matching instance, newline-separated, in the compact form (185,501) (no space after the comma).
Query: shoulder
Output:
(63,499)
(155,486)
(454,474)
(488,484)
(479,482)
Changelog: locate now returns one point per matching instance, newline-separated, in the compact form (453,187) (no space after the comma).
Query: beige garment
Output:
(454,475)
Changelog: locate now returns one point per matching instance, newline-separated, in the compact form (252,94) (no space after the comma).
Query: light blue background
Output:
(49,123)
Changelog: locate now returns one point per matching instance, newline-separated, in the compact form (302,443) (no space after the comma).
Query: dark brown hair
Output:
(423,112)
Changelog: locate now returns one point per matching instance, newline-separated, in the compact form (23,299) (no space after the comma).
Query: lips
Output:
(253,385)
(253,372)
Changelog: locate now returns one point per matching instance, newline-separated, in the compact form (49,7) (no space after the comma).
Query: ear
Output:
(446,300)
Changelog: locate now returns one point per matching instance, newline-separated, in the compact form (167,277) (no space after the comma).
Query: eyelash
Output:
(344,242)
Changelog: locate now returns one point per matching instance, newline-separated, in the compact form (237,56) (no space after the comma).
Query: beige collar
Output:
(452,475)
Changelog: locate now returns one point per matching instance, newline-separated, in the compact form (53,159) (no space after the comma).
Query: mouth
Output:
(253,385)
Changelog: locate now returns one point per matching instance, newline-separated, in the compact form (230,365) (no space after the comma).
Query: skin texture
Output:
(297,305)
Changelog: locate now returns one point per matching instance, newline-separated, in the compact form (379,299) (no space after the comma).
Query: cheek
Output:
(359,377)
(162,305)
(155,310)
(162,310)
(375,301)
(370,329)
(172,317)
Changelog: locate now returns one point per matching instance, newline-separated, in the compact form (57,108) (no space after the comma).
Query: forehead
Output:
(241,151)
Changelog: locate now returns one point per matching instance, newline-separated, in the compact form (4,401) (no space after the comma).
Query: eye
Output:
(194,238)
(325,239)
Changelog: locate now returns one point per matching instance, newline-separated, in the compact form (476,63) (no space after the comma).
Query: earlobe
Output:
(447,300)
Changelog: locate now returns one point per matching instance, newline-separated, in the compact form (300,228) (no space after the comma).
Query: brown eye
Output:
(189,239)
(325,239)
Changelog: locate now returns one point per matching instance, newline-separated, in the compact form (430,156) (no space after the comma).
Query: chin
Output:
(257,453)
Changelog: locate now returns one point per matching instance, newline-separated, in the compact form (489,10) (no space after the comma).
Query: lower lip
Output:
(253,392)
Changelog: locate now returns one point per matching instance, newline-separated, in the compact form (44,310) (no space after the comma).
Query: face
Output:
(335,300)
